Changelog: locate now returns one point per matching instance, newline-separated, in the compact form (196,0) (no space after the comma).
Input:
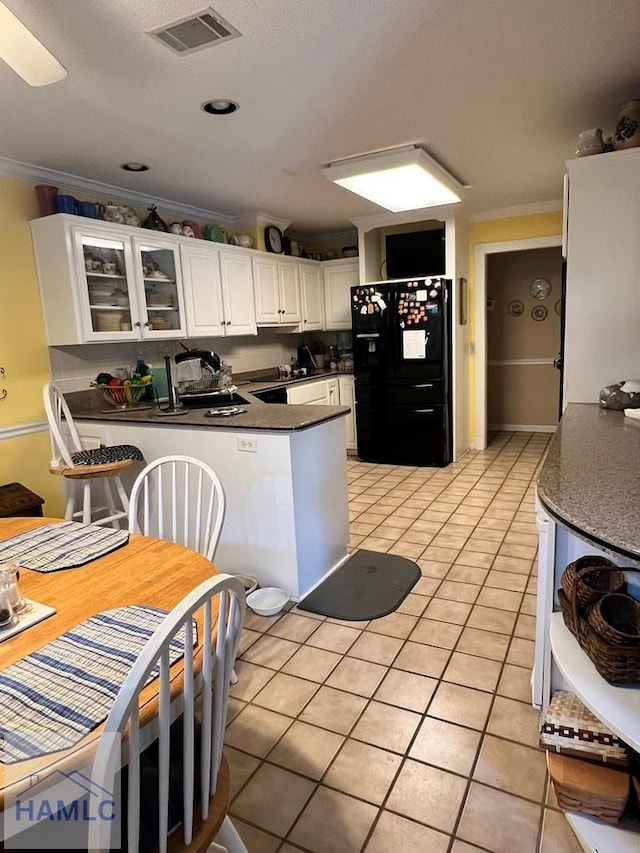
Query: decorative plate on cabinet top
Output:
(516,308)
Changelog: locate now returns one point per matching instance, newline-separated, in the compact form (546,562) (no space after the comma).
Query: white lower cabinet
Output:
(348,398)
(339,277)
(332,391)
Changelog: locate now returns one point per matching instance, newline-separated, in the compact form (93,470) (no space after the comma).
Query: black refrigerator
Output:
(402,355)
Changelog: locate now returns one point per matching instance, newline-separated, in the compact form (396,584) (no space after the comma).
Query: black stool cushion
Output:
(103,454)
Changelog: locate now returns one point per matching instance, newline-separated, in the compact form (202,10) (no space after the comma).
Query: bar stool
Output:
(83,468)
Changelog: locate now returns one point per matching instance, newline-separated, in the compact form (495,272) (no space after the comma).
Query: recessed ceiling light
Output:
(220,107)
(134,167)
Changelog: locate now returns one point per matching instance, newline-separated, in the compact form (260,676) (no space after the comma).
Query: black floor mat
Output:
(368,585)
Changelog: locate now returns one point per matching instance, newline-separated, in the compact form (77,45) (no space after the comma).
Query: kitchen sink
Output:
(209,401)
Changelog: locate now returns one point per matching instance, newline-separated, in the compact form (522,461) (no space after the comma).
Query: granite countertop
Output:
(88,405)
(590,478)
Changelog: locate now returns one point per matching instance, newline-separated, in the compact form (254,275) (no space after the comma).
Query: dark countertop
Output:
(590,478)
(87,405)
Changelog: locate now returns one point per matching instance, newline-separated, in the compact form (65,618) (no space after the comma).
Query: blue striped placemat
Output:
(67,545)
(52,698)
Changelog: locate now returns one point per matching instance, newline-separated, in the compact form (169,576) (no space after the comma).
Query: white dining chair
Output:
(180,499)
(83,469)
(204,789)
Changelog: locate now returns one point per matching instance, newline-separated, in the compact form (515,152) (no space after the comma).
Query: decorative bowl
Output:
(267,601)
(121,396)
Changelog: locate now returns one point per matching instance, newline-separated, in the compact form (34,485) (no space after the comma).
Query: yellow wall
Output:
(501,231)
(23,349)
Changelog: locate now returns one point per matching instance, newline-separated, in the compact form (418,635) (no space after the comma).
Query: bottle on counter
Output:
(141,370)
(333,358)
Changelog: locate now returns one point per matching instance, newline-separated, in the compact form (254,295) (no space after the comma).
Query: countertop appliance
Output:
(402,355)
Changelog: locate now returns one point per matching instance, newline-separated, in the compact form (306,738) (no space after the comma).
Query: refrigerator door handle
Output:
(424,411)
(424,385)
(369,336)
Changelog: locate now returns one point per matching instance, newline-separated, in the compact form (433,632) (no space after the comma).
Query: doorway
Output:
(517,336)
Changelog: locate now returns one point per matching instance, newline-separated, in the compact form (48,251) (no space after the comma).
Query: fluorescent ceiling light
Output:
(22,51)
(399,179)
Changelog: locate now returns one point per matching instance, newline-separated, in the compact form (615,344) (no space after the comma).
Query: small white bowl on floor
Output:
(267,601)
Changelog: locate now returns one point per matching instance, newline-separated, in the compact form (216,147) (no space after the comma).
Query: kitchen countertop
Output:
(590,478)
(87,405)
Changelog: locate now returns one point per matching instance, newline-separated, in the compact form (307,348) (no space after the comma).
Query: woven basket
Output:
(592,789)
(616,664)
(616,617)
(593,576)
(569,727)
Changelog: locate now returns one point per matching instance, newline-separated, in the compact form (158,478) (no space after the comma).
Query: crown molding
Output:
(518,210)
(42,175)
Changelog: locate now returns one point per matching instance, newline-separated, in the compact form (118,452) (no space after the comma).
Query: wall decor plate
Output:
(558,307)
(516,308)
(539,313)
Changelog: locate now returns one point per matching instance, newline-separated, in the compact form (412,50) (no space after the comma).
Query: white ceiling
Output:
(496,90)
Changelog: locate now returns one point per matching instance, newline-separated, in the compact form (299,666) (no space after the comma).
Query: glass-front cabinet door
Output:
(161,298)
(106,287)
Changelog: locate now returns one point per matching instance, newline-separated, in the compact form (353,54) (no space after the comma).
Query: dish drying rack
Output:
(219,381)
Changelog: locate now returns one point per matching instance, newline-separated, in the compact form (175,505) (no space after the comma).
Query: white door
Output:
(347,398)
(160,293)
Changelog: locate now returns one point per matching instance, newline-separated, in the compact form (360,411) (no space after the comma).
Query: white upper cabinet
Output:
(339,277)
(311,298)
(100,282)
(202,291)
(289,284)
(218,292)
(276,286)
(237,293)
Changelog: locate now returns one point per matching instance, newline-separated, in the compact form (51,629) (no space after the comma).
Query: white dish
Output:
(267,601)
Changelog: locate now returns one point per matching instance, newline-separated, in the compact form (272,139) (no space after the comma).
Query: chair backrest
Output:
(179,499)
(58,413)
(215,650)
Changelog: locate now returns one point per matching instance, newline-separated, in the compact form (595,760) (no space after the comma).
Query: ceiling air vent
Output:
(205,29)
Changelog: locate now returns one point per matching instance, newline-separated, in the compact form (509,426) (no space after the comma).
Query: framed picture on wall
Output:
(463,302)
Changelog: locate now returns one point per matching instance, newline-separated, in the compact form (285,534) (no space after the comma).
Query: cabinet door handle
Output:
(148,325)
(137,325)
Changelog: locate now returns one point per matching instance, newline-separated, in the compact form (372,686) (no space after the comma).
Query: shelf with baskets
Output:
(617,706)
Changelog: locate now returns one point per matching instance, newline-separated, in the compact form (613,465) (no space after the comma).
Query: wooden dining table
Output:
(145,571)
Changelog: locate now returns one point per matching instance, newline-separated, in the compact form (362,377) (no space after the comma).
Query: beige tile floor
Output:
(412,733)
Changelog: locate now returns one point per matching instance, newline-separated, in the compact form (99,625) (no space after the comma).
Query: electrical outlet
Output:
(248,445)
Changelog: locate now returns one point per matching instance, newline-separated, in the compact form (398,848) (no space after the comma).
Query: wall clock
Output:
(273,239)
(540,288)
